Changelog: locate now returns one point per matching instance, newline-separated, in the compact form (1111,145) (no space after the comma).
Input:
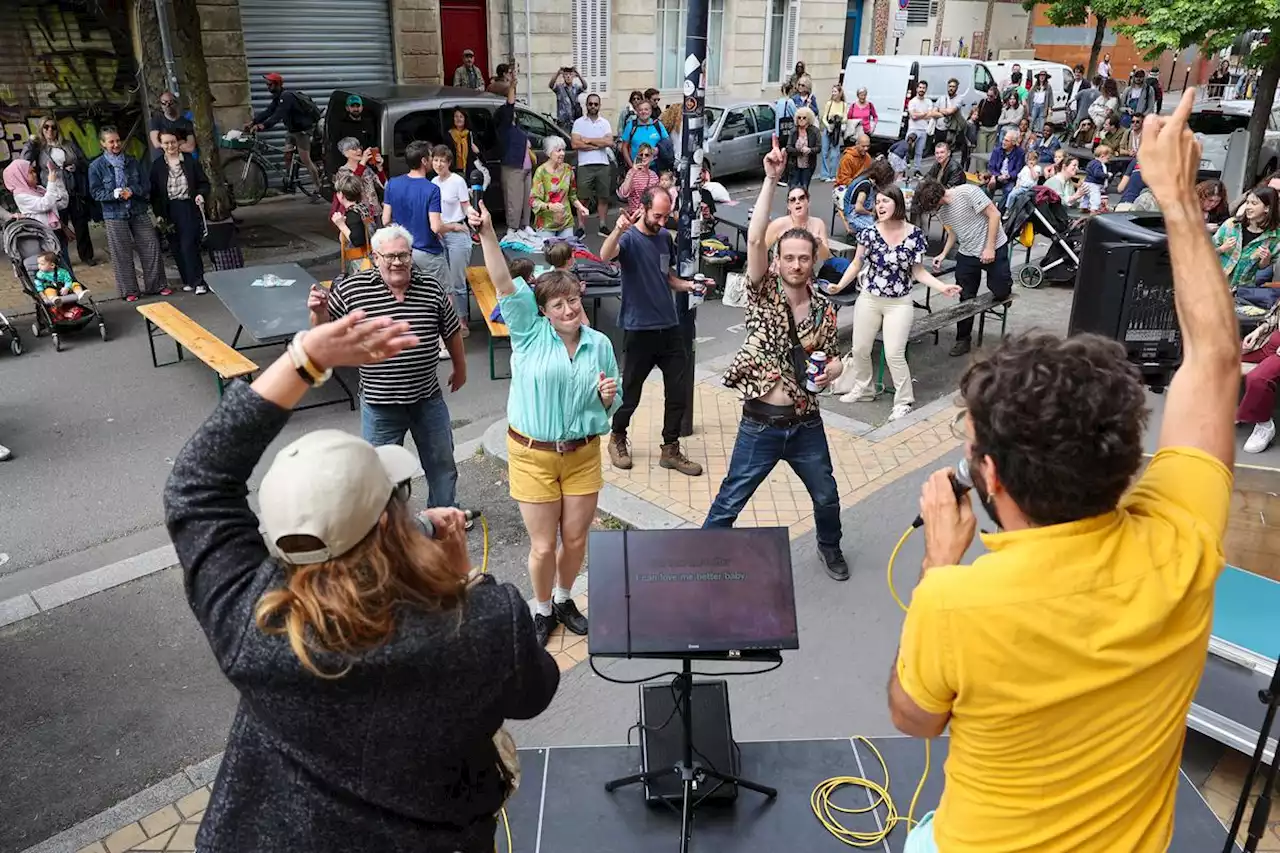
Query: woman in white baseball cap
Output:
(375,669)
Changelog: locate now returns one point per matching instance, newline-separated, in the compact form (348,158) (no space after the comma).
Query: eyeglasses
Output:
(394,258)
(593,103)
(644,156)
(167,103)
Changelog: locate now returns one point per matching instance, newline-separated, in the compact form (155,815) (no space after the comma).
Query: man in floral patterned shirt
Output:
(787,320)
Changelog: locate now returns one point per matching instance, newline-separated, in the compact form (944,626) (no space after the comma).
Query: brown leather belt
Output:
(553,446)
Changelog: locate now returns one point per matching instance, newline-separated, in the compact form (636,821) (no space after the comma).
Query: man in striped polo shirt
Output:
(402,395)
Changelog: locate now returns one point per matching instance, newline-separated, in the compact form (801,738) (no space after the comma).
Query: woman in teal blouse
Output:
(564,388)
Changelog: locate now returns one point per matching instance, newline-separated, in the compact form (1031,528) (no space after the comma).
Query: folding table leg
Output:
(151,340)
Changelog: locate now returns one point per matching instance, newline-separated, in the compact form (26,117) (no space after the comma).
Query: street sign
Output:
(903,4)
(900,21)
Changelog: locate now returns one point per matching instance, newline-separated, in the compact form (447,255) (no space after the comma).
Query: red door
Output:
(463,25)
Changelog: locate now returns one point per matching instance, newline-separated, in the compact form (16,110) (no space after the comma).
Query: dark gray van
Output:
(402,114)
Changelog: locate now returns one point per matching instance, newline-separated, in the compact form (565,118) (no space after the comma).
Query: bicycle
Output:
(246,171)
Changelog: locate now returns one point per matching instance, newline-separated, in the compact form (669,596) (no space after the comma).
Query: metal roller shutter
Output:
(317,46)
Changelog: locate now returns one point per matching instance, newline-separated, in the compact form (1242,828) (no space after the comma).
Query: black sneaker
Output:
(568,615)
(961,347)
(543,626)
(834,561)
(605,231)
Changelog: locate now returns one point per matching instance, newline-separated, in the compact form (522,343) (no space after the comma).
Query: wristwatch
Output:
(307,369)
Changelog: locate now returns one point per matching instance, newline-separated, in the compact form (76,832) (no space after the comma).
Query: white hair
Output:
(387,233)
(349,143)
(552,145)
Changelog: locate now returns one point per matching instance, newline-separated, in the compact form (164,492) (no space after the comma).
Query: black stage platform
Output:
(562,804)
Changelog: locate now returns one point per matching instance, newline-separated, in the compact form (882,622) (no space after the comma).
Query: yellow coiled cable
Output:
(828,812)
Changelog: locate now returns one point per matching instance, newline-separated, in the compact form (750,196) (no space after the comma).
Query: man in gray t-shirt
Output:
(973,227)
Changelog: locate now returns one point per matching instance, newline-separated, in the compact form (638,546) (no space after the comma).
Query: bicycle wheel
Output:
(246,177)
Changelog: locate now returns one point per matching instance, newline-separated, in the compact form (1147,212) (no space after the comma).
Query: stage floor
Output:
(562,804)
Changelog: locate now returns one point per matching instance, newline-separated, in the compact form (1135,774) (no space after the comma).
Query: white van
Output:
(890,82)
(1060,78)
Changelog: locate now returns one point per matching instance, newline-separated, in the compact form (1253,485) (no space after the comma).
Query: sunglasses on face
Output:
(166,103)
(795,198)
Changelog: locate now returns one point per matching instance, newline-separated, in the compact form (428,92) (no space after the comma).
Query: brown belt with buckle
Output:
(553,446)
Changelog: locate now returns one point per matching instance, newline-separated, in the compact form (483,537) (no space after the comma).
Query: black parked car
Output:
(402,114)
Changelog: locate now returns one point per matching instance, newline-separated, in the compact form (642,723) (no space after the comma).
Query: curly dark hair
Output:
(928,196)
(881,173)
(1062,418)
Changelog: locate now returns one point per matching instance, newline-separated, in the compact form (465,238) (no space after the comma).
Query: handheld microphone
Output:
(429,529)
(961,483)
(477,192)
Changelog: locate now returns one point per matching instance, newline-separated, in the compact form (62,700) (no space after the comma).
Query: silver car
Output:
(738,137)
(1214,121)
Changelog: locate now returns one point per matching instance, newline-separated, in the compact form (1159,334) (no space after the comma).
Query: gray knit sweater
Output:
(396,755)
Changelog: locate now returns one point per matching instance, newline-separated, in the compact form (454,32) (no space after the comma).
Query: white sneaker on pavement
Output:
(201,289)
(5,453)
(1263,434)
(444,353)
(186,288)
(900,411)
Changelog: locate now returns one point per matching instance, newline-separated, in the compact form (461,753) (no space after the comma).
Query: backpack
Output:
(666,155)
(307,106)
(597,273)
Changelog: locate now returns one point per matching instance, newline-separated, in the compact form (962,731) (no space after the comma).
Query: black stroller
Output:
(24,241)
(1042,212)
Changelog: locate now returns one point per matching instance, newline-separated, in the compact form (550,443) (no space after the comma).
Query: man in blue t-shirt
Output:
(1131,185)
(651,329)
(413,201)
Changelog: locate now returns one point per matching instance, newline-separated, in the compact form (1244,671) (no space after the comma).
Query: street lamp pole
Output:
(689,174)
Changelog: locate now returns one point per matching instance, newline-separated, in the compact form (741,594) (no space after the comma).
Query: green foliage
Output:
(1074,13)
(1210,25)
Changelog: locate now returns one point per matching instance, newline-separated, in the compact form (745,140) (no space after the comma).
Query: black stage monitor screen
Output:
(691,592)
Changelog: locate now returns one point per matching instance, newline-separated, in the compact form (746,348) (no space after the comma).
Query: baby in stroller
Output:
(54,282)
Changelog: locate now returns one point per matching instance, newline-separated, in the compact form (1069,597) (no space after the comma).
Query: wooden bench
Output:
(226,363)
(487,299)
(934,322)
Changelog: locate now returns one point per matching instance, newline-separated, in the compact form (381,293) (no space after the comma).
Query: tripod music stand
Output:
(691,595)
(687,769)
(1270,696)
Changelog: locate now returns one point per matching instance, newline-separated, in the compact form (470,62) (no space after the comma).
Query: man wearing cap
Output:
(467,75)
(355,122)
(298,123)
(402,394)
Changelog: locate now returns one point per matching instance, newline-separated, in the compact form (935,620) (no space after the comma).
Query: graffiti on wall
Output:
(71,59)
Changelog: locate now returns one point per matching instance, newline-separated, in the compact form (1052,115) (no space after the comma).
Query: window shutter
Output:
(790,47)
(591,20)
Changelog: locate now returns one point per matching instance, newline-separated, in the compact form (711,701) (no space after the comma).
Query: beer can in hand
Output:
(817,365)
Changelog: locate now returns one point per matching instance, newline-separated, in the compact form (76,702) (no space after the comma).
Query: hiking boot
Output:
(834,562)
(620,451)
(673,457)
(961,347)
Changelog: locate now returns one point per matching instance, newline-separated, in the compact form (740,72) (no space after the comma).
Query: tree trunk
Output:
(986,31)
(1263,99)
(186,17)
(1096,50)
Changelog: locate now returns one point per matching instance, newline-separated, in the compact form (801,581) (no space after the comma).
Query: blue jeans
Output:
(761,447)
(428,420)
(922,139)
(800,178)
(830,162)
(1037,117)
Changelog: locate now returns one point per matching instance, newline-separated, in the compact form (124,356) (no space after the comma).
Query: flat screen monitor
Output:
(691,592)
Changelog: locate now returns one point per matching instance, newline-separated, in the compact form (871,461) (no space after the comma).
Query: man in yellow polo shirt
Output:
(1065,658)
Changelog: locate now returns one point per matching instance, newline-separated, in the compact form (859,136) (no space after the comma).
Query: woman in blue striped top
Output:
(564,388)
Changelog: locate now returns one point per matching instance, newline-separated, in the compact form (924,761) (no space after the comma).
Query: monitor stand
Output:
(687,769)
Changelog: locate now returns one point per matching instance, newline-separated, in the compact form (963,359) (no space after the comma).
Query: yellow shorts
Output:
(543,476)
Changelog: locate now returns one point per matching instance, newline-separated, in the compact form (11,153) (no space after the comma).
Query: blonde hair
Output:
(1102,151)
(807,114)
(351,604)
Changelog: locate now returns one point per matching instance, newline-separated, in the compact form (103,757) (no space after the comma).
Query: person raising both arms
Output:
(1071,650)
(798,217)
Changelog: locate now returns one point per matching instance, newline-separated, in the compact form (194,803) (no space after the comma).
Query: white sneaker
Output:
(527,233)
(201,289)
(856,396)
(510,235)
(900,411)
(5,453)
(444,353)
(1263,434)
(186,288)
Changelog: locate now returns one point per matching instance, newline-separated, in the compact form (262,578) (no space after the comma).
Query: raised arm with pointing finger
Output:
(757,245)
(1201,400)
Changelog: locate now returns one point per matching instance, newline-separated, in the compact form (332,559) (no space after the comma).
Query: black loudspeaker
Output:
(1124,291)
(660,740)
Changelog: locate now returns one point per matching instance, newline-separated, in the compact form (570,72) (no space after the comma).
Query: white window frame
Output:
(680,8)
(790,35)
(592,32)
